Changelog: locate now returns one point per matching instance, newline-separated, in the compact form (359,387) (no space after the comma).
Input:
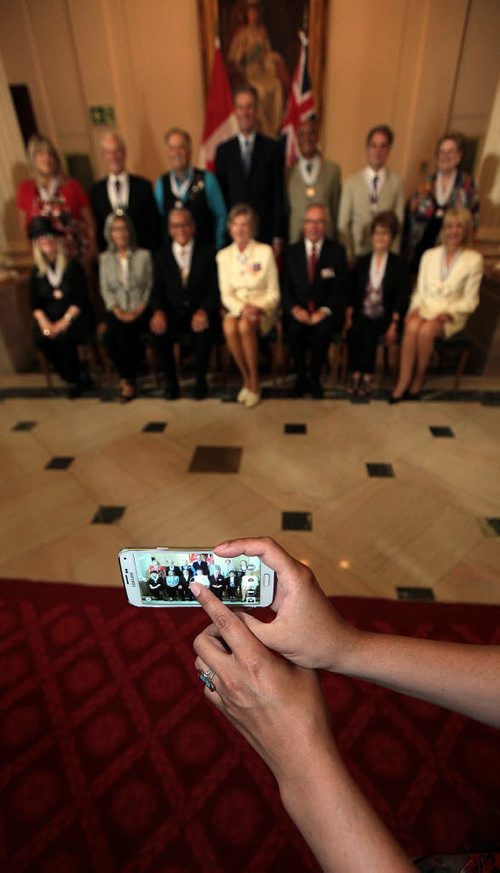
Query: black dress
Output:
(54,301)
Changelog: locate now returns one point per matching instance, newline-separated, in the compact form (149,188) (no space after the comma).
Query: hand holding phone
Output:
(161,577)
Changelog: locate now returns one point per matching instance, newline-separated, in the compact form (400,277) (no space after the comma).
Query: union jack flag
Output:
(300,104)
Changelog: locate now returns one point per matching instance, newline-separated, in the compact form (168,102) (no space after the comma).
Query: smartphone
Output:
(161,576)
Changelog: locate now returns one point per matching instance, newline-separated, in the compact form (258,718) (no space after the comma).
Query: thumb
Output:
(263,631)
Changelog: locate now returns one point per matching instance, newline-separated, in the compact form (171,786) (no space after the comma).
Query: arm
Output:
(229,300)
(308,631)
(216,204)
(399,209)
(469,298)
(105,283)
(158,196)
(344,222)
(280,710)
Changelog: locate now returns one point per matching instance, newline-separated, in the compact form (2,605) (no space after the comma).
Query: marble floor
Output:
(426,521)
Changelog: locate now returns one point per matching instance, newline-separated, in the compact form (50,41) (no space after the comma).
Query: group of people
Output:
(166,271)
(171,581)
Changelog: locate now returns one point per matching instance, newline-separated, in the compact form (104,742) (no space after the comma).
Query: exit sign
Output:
(102,115)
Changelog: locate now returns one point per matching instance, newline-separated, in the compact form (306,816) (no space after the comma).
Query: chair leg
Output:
(462,363)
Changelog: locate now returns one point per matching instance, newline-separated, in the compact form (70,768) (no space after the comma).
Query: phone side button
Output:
(267,580)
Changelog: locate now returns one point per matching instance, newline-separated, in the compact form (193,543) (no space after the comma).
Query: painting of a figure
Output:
(261,45)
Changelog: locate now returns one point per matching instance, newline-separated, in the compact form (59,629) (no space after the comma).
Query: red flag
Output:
(300,104)
(220,122)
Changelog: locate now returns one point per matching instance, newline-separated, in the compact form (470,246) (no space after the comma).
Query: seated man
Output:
(184,300)
(313,298)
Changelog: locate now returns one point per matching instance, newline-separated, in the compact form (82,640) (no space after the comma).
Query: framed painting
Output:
(260,44)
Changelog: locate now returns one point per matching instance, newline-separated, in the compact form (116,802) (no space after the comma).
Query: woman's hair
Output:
(119,215)
(456,137)
(39,143)
(40,261)
(387,219)
(243,209)
(464,217)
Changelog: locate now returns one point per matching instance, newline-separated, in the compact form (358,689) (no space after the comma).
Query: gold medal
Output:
(310,191)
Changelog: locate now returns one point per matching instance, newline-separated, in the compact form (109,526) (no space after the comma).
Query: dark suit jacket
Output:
(262,188)
(201,291)
(142,209)
(395,288)
(328,287)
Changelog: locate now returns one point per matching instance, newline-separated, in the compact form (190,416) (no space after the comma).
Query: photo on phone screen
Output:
(161,577)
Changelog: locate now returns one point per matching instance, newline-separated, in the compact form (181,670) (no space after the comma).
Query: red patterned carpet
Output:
(112,760)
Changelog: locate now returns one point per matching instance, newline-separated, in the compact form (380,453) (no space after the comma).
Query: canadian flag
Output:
(220,122)
(300,104)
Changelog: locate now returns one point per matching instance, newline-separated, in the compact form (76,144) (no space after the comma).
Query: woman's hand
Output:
(278,707)
(391,334)
(307,630)
(253,313)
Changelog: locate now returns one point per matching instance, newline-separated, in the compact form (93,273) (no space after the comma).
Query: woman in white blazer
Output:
(447,292)
(125,280)
(249,290)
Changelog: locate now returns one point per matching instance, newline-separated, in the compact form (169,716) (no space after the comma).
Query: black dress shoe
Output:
(300,388)
(392,400)
(73,391)
(317,391)
(200,389)
(416,396)
(172,392)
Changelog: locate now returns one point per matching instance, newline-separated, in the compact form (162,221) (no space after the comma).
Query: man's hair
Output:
(170,132)
(112,134)
(246,89)
(383,129)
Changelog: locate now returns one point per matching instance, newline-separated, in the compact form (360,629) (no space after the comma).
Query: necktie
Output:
(118,191)
(374,197)
(247,155)
(311,270)
(184,266)
(309,167)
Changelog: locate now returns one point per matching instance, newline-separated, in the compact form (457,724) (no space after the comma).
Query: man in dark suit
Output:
(122,190)
(249,168)
(313,298)
(185,300)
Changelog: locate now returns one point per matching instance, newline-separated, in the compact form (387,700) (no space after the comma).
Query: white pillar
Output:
(13,168)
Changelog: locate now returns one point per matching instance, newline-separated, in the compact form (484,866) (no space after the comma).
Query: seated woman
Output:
(249,289)
(126,279)
(53,195)
(448,187)
(447,292)
(59,294)
(379,290)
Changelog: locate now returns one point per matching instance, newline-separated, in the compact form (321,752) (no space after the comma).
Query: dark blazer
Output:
(262,188)
(201,291)
(142,209)
(396,286)
(328,287)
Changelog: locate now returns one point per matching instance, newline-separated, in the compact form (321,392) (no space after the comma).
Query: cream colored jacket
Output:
(457,294)
(249,277)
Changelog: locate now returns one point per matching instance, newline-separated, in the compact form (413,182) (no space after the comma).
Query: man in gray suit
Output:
(312,180)
(374,189)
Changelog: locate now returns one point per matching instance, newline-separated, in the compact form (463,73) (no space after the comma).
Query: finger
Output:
(228,626)
(264,547)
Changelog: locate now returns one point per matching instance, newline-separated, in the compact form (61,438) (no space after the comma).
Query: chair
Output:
(460,345)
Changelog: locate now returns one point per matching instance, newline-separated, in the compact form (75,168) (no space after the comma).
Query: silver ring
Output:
(206,678)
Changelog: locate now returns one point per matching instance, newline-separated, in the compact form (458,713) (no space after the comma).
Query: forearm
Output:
(460,677)
(335,819)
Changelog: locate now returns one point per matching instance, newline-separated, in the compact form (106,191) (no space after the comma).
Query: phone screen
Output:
(162,578)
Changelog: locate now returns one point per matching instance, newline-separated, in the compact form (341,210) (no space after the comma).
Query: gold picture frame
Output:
(222,17)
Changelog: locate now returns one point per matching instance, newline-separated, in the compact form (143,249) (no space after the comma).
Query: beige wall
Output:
(393,61)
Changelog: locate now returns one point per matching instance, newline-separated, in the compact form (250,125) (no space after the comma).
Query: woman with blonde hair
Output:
(249,290)
(447,292)
(52,194)
(58,291)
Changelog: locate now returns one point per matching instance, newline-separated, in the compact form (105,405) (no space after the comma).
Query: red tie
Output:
(311,270)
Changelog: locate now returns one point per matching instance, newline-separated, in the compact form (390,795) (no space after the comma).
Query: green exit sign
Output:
(102,115)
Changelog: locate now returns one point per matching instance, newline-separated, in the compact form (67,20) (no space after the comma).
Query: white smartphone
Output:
(161,576)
